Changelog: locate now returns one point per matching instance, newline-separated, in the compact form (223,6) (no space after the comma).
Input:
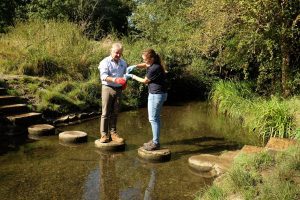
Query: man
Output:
(112,70)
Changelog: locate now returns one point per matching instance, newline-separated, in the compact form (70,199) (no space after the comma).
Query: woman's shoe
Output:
(151,146)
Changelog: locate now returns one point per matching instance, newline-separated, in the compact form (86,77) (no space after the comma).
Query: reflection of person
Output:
(156,80)
(112,69)
(109,182)
(150,189)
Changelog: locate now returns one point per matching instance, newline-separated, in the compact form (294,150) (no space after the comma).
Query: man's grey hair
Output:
(116,45)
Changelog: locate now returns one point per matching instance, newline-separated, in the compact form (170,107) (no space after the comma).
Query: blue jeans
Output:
(155,103)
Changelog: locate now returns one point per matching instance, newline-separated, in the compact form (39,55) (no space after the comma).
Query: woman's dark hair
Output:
(150,53)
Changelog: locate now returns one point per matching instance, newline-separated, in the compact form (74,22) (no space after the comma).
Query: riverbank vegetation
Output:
(267,176)
(202,42)
(267,117)
(242,55)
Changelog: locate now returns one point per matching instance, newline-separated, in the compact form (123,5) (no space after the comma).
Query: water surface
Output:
(45,169)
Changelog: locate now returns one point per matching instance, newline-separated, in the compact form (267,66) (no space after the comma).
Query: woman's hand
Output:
(130,68)
(128,76)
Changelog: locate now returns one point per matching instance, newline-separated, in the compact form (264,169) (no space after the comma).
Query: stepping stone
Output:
(41,130)
(61,120)
(110,146)
(209,166)
(160,155)
(70,137)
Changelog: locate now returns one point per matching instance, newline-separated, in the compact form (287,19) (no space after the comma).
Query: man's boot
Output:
(104,139)
(115,137)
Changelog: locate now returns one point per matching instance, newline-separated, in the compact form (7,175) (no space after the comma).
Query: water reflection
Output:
(150,189)
(109,182)
(81,173)
(104,183)
(91,189)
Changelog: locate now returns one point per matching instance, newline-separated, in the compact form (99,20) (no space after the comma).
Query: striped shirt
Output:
(108,67)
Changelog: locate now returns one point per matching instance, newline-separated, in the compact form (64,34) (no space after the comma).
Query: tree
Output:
(163,24)
(101,17)
(257,38)
(8,11)
(96,17)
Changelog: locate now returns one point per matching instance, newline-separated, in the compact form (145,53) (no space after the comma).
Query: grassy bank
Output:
(263,176)
(57,67)
(266,175)
(54,66)
(272,117)
(55,63)
(57,50)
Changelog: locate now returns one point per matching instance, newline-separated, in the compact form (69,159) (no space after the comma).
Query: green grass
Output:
(271,117)
(70,96)
(211,193)
(57,50)
(263,176)
(56,64)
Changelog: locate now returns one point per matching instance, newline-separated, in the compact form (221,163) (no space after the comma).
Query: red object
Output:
(121,81)
(124,86)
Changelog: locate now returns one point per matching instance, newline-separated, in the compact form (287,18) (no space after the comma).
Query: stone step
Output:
(14,109)
(8,100)
(2,91)
(26,119)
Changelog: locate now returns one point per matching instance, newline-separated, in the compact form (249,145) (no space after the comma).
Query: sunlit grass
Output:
(70,96)
(262,176)
(267,117)
(48,48)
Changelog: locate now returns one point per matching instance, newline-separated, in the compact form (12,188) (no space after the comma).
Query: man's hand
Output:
(119,80)
(130,68)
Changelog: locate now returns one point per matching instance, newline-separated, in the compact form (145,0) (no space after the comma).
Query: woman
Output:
(156,80)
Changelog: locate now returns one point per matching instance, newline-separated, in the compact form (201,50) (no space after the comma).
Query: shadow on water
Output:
(10,142)
(204,145)
(194,141)
(11,137)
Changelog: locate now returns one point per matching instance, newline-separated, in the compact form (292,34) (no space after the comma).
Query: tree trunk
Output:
(285,69)
(285,56)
